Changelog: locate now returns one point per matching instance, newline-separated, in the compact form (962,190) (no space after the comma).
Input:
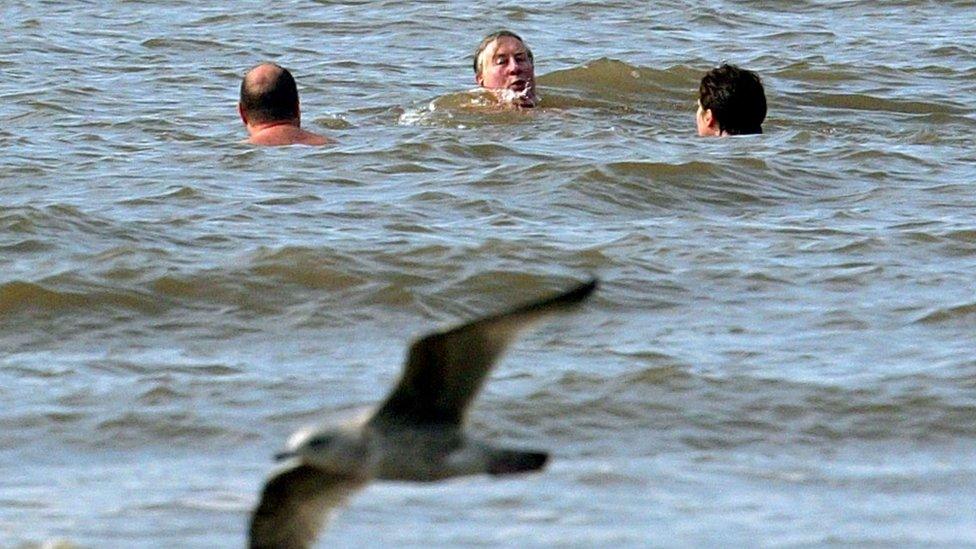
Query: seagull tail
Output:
(509,462)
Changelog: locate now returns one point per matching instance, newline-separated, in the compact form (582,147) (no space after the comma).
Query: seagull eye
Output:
(319,441)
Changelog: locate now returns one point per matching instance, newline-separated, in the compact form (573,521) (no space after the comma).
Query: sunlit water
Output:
(781,352)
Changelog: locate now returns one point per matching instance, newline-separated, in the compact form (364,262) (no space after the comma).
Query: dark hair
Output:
(476,62)
(270,99)
(736,99)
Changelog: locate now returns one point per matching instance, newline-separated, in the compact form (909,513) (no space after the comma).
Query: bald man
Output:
(270,111)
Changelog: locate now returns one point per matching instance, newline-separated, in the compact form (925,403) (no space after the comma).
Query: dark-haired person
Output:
(504,64)
(269,108)
(731,101)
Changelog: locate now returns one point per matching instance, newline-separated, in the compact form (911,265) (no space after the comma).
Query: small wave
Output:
(618,82)
(864,102)
(181,192)
(306,267)
(161,395)
(289,200)
(965,312)
(50,420)
(667,404)
(510,287)
(639,184)
(266,280)
(332,123)
(185,44)
(16,296)
(136,429)
(210,20)
(55,218)
(50,107)
(822,73)
(156,367)
(28,245)
(967,236)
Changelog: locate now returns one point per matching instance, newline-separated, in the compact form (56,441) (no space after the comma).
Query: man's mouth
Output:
(518,92)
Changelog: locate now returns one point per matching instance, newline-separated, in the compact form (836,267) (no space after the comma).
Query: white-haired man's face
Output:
(506,65)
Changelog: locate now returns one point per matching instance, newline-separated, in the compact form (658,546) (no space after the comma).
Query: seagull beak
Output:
(281,456)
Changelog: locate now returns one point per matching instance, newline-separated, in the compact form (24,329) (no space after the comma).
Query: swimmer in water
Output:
(504,65)
(270,111)
(731,101)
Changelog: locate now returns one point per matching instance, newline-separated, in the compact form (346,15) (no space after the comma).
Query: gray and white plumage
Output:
(416,434)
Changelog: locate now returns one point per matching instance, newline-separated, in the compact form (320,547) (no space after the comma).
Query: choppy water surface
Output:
(781,352)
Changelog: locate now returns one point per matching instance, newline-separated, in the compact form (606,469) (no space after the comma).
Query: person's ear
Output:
(479,79)
(708,118)
(711,122)
(240,111)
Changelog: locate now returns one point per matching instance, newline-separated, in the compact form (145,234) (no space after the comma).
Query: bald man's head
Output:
(269,94)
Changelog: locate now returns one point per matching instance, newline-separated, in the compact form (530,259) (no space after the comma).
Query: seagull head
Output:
(341,449)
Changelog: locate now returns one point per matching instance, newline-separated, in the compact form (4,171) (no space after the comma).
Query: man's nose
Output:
(514,66)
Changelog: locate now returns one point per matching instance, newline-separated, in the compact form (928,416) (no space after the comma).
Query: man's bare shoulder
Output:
(288,135)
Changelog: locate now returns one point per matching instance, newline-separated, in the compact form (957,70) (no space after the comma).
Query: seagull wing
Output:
(294,505)
(445,370)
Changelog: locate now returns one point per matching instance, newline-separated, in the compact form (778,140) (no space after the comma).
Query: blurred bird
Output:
(416,434)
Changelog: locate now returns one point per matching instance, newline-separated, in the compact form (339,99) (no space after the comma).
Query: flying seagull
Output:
(417,434)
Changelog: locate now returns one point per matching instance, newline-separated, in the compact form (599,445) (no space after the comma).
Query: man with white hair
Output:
(504,65)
